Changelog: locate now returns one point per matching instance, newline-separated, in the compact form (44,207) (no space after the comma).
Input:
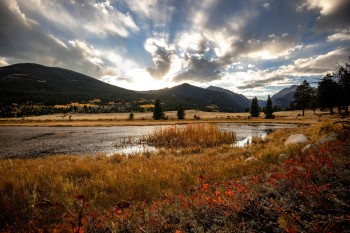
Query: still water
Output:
(24,142)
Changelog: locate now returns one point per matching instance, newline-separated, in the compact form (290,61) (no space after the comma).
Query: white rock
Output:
(295,138)
(251,160)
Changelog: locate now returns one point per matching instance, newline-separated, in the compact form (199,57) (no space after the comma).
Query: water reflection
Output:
(244,134)
(25,142)
(133,149)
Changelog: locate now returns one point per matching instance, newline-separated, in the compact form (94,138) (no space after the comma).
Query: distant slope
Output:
(40,84)
(199,98)
(283,98)
(237,99)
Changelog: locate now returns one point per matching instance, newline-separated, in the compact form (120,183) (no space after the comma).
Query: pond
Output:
(25,142)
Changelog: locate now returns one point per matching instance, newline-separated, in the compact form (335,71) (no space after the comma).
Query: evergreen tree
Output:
(158,111)
(314,101)
(269,109)
(131,116)
(254,108)
(343,75)
(327,93)
(302,96)
(180,112)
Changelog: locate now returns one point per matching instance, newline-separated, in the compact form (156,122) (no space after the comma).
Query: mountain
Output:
(283,98)
(27,82)
(238,99)
(48,85)
(200,98)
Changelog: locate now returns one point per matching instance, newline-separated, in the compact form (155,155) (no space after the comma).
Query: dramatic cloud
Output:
(316,65)
(333,14)
(340,36)
(193,42)
(259,83)
(251,46)
(162,57)
(87,52)
(200,70)
(326,7)
(110,21)
(153,14)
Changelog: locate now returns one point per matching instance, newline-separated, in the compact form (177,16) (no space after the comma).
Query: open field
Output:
(116,119)
(189,189)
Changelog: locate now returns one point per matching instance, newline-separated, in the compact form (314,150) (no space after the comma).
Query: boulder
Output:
(327,138)
(295,139)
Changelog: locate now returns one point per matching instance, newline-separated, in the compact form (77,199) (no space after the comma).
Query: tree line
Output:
(333,90)
(268,110)
(158,113)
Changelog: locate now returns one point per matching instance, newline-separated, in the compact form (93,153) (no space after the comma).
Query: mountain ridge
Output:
(284,97)
(34,83)
(52,85)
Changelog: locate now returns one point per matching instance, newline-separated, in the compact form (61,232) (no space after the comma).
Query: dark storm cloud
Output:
(333,15)
(337,20)
(202,46)
(162,58)
(259,83)
(200,70)
(22,40)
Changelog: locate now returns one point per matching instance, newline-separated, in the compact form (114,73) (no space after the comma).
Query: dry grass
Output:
(199,135)
(115,119)
(105,181)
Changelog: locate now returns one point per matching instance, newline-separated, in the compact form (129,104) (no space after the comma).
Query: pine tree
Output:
(180,112)
(327,93)
(254,108)
(269,109)
(302,95)
(131,116)
(158,111)
(343,75)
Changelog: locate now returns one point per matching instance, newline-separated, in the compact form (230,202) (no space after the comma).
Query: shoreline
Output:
(110,123)
(145,119)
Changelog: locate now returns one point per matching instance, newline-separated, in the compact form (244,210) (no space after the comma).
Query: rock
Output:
(295,138)
(251,160)
(327,138)
(308,147)
(283,157)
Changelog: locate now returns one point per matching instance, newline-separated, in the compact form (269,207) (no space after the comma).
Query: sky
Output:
(251,47)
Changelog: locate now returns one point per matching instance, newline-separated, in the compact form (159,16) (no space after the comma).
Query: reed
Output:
(192,135)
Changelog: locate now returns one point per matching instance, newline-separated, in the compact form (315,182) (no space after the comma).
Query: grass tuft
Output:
(193,135)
